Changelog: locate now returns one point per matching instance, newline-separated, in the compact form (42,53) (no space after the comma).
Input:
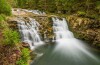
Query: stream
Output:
(66,50)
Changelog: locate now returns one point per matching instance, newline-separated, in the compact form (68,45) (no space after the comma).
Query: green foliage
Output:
(97,2)
(24,3)
(5,8)
(24,57)
(81,13)
(98,5)
(10,37)
(84,7)
(25,54)
(12,3)
(2,18)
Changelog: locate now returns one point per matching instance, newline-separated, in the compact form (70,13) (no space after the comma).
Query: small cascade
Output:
(60,29)
(29,32)
(68,46)
(67,50)
(35,12)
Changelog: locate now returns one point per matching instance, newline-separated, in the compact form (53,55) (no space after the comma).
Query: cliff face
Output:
(85,29)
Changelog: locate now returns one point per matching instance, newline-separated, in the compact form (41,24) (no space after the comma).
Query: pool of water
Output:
(67,50)
(51,57)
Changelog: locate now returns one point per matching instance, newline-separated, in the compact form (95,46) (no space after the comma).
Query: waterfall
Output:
(60,29)
(67,50)
(67,45)
(29,32)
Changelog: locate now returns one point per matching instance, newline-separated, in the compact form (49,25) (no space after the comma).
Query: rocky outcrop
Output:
(85,29)
(46,29)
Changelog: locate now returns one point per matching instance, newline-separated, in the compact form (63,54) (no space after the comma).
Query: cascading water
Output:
(35,12)
(65,37)
(66,42)
(29,32)
(67,50)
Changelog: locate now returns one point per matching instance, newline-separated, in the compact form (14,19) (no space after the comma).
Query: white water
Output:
(67,45)
(35,12)
(29,32)
(67,50)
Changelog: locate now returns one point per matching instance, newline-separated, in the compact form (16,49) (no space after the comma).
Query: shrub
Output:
(5,8)
(24,57)
(10,37)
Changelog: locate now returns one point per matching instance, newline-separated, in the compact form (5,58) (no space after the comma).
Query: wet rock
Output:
(24,44)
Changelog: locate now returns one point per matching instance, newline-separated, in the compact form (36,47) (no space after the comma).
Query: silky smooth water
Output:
(50,57)
(67,49)
(29,32)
